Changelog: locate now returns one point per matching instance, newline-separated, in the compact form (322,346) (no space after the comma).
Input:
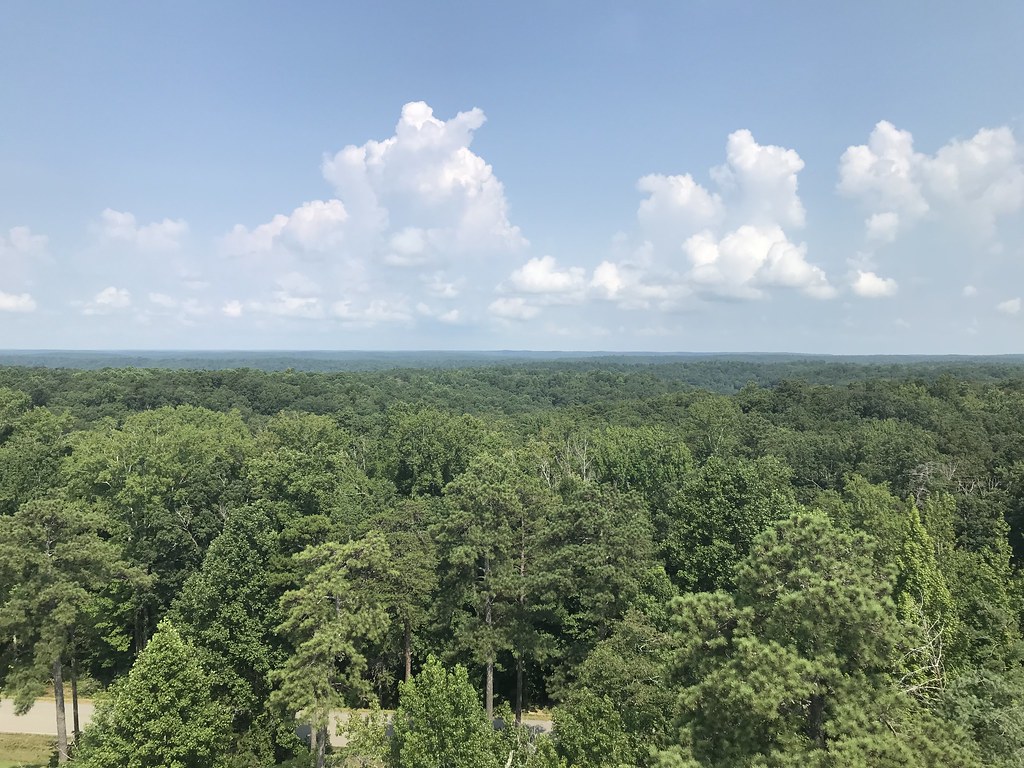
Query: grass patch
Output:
(19,750)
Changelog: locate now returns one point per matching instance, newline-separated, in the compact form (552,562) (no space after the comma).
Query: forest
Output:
(681,563)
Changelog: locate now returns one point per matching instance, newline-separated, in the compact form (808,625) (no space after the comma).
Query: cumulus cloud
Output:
(970,291)
(884,172)
(542,276)
(414,217)
(513,308)
(110,299)
(761,182)
(163,300)
(882,227)
(21,302)
(232,308)
(868,285)
(157,236)
(185,309)
(731,242)
(675,207)
(21,241)
(318,225)
(1009,307)
(749,259)
(449,317)
(977,180)
(285,304)
(372,313)
(422,191)
(727,243)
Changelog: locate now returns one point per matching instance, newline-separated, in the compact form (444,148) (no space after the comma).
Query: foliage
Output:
(329,618)
(440,723)
(163,715)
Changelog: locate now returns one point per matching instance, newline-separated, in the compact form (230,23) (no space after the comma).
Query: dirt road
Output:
(41,719)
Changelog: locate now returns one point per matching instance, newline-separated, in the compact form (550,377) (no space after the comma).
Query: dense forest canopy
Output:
(689,562)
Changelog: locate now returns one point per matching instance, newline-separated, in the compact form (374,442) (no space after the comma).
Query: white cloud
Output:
(749,259)
(882,227)
(734,240)
(318,225)
(437,285)
(408,247)
(970,291)
(1009,307)
(884,172)
(21,302)
(375,312)
(976,181)
(285,304)
(415,218)
(157,236)
(21,241)
(728,243)
(110,299)
(675,207)
(163,300)
(513,308)
(608,280)
(983,177)
(871,286)
(426,187)
(542,276)
(232,308)
(449,317)
(760,181)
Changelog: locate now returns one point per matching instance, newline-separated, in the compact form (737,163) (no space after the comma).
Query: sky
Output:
(725,176)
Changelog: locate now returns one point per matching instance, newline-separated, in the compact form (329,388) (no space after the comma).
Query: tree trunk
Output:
(75,724)
(489,622)
(321,748)
(62,723)
(408,649)
(314,748)
(519,689)
(489,690)
(816,720)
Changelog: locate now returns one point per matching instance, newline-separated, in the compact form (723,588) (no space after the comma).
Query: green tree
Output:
(165,479)
(329,618)
(413,584)
(305,461)
(227,611)
(802,664)
(619,709)
(163,715)
(602,562)
(716,515)
(54,562)
(492,546)
(440,723)
(32,442)
(424,450)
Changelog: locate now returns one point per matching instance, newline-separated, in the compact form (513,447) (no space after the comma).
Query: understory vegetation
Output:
(819,567)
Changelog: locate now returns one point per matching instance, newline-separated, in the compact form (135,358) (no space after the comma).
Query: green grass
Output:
(18,750)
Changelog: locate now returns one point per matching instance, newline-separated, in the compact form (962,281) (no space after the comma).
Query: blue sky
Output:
(687,176)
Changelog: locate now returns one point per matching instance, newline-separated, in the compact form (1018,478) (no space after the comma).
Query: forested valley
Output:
(700,564)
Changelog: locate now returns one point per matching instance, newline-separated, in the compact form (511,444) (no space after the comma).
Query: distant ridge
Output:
(371,360)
